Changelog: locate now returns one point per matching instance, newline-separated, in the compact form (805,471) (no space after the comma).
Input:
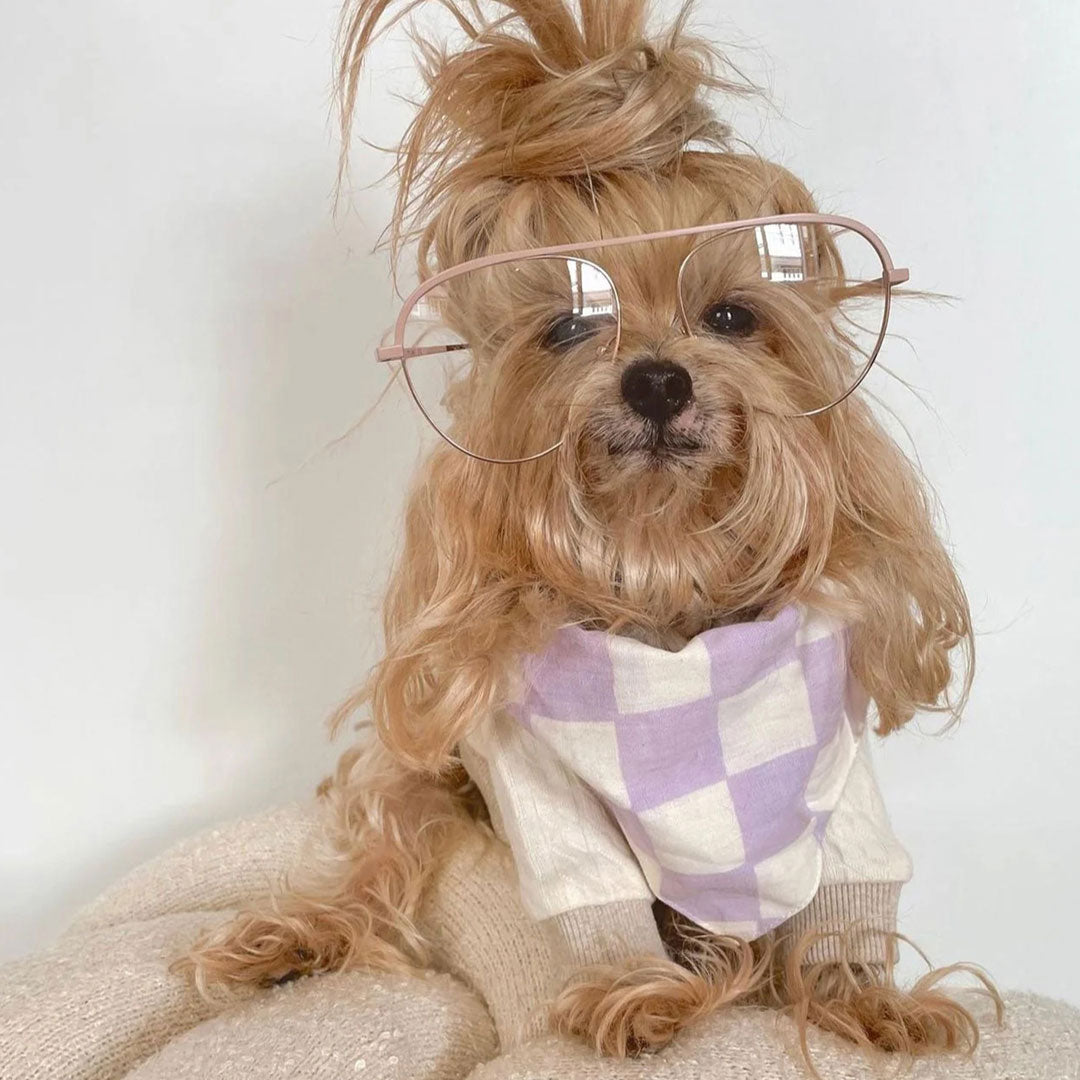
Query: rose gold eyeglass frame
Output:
(398,350)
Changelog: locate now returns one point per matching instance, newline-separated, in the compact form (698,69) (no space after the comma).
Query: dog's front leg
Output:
(863,1004)
(612,980)
(625,996)
(836,970)
(632,1007)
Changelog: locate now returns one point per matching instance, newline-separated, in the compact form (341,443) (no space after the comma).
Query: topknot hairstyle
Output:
(542,92)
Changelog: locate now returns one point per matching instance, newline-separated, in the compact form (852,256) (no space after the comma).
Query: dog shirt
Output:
(704,777)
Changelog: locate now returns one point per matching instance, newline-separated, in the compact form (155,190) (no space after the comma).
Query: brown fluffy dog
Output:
(555,126)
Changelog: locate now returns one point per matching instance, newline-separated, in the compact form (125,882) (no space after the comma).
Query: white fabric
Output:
(569,853)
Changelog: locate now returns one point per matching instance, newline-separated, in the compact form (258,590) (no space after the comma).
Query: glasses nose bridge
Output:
(642,282)
(638,335)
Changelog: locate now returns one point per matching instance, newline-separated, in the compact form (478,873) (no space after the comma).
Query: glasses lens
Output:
(816,298)
(497,350)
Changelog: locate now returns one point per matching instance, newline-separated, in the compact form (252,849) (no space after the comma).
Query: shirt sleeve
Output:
(863,870)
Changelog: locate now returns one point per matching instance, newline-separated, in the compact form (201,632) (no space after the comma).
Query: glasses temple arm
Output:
(386,353)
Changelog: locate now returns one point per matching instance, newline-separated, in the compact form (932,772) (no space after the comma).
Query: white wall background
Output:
(184,325)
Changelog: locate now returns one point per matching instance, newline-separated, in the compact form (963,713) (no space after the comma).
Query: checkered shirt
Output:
(721,762)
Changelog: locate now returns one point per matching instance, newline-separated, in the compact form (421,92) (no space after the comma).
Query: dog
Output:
(652,432)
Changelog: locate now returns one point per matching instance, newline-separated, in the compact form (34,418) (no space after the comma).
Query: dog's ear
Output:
(913,646)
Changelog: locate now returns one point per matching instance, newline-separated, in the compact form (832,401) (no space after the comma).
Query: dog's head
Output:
(667,394)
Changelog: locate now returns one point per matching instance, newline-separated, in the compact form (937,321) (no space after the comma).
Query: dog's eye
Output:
(729,320)
(570,330)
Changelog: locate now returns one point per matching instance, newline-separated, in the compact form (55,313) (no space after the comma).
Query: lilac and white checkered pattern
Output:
(721,762)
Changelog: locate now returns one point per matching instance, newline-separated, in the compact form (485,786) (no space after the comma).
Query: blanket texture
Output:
(101,1003)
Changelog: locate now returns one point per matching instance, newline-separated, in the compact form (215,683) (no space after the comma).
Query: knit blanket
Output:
(102,1004)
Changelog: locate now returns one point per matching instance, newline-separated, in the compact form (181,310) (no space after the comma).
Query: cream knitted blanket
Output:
(101,1003)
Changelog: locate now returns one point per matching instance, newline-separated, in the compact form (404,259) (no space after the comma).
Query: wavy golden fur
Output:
(558,125)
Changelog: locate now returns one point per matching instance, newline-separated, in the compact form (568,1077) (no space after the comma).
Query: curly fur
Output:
(639,1005)
(355,902)
(554,124)
(863,1004)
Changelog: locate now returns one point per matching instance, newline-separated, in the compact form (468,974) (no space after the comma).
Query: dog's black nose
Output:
(657,389)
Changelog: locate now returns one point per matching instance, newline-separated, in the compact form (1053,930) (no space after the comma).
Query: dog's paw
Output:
(871,1011)
(634,1008)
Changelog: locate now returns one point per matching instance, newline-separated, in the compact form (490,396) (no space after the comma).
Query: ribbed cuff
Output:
(859,918)
(604,933)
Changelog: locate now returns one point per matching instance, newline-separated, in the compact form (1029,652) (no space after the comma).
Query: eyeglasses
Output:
(805,295)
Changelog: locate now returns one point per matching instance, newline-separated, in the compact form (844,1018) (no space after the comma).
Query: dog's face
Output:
(690,428)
